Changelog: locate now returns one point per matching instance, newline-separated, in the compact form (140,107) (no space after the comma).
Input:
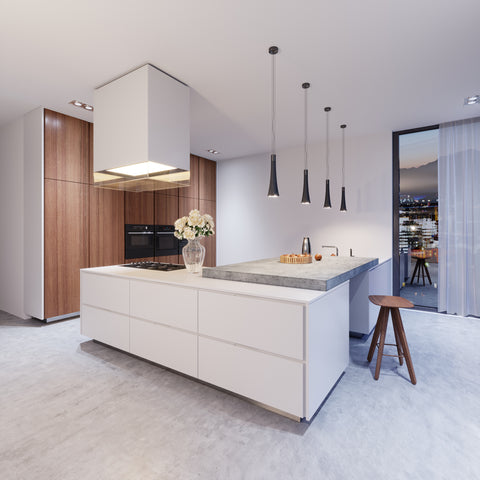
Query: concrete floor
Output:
(74,409)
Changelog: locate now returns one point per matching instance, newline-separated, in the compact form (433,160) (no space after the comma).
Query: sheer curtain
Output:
(459,217)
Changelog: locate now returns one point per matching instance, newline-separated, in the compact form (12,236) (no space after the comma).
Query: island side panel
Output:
(327,346)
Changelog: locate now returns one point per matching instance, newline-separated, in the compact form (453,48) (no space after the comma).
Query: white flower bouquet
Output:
(193,226)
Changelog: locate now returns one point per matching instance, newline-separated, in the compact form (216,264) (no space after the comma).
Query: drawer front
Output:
(107,327)
(106,292)
(164,345)
(161,303)
(264,324)
(274,381)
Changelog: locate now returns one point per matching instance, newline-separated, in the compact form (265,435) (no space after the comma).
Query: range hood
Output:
(142,132)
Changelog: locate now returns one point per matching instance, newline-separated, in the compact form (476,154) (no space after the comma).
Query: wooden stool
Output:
(420,267)
(387,303)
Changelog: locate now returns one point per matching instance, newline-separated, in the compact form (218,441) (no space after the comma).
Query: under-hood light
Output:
(143,168)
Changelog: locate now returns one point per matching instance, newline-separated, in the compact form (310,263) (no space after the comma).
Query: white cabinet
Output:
(165,304)
(164,345)
(377,281)
(109,293)
(105,326)
(268,325)
(272,380)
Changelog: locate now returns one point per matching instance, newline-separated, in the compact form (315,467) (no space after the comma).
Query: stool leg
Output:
(403,340)
(423,272)
(397,341)
(414,272)
(376,333)
(383,332)
(428,274)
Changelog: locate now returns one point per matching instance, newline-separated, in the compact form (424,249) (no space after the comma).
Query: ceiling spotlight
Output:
(78,103)
(212,151)
(472,100)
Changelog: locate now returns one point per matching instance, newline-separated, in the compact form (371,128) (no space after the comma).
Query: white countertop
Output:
(183,278)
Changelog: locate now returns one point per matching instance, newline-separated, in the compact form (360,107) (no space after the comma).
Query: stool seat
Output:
(390,304)
(390,301)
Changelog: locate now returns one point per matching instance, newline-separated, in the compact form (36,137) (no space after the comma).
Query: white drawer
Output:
(106,292)
(107,327)
(161,303)
(274,381)
(268,325)
(164,345)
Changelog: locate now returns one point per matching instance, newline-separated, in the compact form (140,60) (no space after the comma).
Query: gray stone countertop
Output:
(323,275)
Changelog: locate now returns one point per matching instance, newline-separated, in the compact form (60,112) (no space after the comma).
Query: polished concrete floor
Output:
(74,409)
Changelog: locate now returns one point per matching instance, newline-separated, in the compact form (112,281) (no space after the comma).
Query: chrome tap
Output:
(331,246)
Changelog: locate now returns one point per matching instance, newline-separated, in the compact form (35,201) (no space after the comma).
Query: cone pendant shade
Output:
(273,188)
(327,203)
(306,193)
(343,204)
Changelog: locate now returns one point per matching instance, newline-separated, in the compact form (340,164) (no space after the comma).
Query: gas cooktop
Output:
(164,267)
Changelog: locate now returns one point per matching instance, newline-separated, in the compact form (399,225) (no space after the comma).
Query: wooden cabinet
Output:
(166,208)
(192,190)
(207,179)
(66,245)
(139,208)
(106,241)
(68,148)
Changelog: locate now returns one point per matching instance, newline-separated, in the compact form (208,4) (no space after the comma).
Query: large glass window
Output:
(416,216)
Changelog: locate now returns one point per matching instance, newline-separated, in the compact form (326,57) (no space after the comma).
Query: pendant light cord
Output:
(343,157)
(306,131)
(327,153)
(274,110)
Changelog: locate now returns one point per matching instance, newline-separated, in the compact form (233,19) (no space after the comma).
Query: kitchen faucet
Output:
(331,246)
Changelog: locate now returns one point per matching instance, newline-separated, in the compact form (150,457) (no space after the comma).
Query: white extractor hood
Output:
(142,132)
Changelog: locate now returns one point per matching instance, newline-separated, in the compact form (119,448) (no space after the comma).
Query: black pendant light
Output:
(343,204)
(273,187)
(306,194)
(327,203)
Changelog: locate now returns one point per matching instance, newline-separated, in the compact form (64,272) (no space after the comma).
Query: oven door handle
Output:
(140,233)
(164,233)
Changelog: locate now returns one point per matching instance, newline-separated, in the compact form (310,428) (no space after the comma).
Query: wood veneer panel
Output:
(185,204)
(192,190)
(210,243)
(67,148)
(166,208)
(66,245)
(139,208)
(207,179)
(167,259)
(107,219)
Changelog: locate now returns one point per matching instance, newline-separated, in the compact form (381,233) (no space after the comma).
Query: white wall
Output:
(252,226)
(11,218)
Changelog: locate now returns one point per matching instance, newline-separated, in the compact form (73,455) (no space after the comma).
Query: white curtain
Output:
(459,217)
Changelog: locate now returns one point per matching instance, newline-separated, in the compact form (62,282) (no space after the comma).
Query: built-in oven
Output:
(139,241)
(165,241)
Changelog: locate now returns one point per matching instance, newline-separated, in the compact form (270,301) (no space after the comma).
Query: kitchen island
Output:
(282,347)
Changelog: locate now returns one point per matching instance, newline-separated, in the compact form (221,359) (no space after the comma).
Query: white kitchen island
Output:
(282,347)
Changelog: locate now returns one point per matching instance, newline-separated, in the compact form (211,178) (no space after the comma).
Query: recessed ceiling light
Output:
(472,100)
(78,103)
(212,151)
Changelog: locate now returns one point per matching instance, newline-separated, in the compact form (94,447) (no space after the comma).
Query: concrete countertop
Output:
(322,275)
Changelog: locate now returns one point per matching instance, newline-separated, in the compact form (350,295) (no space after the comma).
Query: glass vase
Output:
(193,255)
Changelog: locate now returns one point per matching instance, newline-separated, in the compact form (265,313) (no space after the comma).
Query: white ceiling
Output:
(382,65)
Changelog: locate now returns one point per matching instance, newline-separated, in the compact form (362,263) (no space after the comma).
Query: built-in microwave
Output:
(139,241)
